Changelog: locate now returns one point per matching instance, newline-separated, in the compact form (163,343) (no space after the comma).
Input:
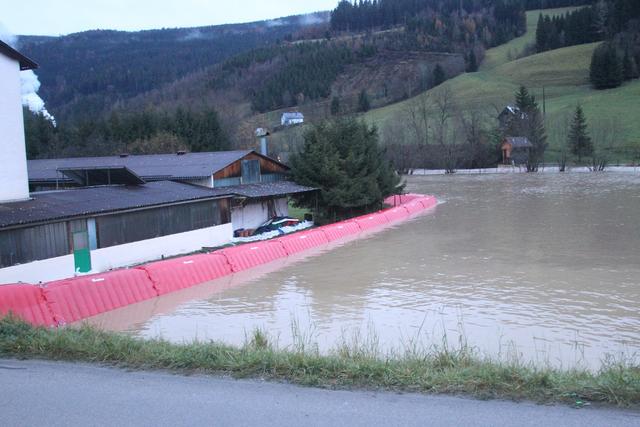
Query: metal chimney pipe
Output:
(264,149)
(262,134)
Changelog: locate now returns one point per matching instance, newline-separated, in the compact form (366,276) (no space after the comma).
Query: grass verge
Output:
(445,370)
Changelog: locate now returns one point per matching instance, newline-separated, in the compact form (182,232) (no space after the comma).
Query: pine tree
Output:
(344,160)
(629,67)
(530,124)
(438,75)
(473,62)
(524,100)
(364,104)
(335,106)
(579,141)
(541,35)
(606,69)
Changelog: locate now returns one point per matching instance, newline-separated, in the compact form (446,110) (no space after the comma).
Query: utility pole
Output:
(544,103)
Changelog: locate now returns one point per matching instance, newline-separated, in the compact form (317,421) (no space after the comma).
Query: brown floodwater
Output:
(544,267)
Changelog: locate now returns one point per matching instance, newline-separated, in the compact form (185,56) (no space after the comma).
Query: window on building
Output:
(250,171)
(152,223)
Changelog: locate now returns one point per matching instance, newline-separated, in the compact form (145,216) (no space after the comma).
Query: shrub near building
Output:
(344,160)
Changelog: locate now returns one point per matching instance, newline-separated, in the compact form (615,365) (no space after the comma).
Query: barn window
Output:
(250,171)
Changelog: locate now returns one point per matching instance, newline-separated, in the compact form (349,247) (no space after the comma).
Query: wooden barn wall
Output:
(234,170)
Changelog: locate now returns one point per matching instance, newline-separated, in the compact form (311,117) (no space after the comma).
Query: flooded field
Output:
(545,267)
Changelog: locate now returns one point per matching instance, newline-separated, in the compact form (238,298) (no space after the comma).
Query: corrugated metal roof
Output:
(268,189)
(150,167)
(519,142)
(58,205)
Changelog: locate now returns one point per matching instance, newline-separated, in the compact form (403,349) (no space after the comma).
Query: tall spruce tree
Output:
(335,106)
(364,104)
(606,71)
(473,62)
(438,75)
(530,124)
(579,141)
(344,161)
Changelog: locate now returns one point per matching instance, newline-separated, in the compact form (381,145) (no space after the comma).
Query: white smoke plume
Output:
(28,81)
(314,19)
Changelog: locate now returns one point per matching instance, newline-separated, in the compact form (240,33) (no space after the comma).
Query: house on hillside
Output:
(508,115)
(293,118)
(515,150)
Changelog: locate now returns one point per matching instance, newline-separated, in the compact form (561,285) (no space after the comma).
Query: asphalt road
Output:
(37,393)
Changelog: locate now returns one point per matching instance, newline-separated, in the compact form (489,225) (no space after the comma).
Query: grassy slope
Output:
(444,370)
(563,73)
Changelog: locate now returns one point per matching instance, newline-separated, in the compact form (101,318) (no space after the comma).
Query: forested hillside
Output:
(85,74)
(244,73)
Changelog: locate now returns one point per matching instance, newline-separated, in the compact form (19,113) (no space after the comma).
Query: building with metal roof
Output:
(61,232)
(211,169)
(291,118)
(516,150)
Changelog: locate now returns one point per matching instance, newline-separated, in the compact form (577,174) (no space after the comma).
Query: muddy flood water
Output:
(545,267)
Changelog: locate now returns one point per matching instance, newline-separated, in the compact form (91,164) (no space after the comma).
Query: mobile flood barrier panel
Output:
(65,301)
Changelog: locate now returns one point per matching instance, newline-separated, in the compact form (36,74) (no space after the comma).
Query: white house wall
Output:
(119,256)
(252,215)
(14,182)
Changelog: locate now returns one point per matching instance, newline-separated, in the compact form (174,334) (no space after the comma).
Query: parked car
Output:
(276,223)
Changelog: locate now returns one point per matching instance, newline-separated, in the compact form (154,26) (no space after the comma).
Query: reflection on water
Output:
(544,266)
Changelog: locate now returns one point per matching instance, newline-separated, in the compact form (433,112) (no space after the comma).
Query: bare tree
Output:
(398,150)
(472,124)
(559,129)
(605,133)
(445,132)
(417,112)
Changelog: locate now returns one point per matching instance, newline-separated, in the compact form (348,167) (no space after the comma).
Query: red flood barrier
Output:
(252,254)
(396,214)
(27,302)
(340,229)
(85,296)
(413,207)
(370,221)
(401,199)
(299,242)
(427,201)
(180,273)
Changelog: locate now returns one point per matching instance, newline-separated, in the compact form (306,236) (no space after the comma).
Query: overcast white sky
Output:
(54,17)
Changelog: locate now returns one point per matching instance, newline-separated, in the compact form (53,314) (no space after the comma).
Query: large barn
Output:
(61,217)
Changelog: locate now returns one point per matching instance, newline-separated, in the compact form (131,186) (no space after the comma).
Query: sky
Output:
(56,17)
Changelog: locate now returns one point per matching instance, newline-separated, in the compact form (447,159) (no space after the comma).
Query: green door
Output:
(81,249)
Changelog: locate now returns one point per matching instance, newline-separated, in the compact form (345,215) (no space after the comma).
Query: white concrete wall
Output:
(252,215)
(14,184)
(119,256)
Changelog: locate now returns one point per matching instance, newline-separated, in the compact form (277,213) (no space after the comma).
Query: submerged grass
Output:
(438,370)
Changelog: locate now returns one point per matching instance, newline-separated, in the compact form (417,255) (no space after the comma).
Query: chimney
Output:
(13,171)
(262,134)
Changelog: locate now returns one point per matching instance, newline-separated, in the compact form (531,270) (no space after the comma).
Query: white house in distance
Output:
(293,118)
(94,214)
(13,171)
